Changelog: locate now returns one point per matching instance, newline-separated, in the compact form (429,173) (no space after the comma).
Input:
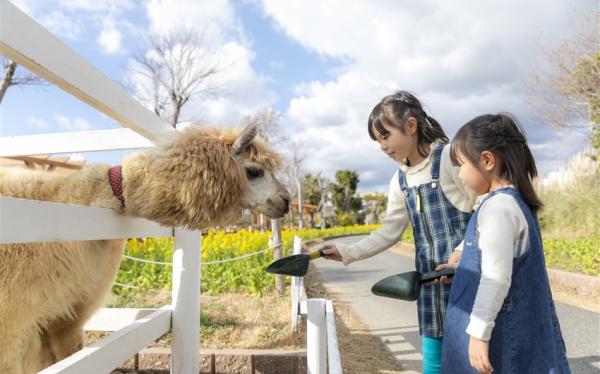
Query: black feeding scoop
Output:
(296,265)
(406,286)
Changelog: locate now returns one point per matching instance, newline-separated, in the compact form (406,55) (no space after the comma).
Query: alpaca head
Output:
(201,177)
(263,193)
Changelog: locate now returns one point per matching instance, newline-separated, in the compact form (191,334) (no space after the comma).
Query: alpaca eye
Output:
(253,173)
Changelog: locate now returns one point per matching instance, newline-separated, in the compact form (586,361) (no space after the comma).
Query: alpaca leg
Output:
(64,337)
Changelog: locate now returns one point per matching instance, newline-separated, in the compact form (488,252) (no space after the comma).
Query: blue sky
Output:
(322,65)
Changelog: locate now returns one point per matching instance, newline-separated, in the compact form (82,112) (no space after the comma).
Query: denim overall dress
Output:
(438,227)
(526,337)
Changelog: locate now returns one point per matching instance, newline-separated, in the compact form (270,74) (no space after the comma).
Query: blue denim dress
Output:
(526,337)
(438,227)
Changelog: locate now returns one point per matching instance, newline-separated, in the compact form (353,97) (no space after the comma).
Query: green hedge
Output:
(580,255)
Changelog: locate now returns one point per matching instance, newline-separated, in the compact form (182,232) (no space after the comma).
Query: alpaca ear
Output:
(242,142)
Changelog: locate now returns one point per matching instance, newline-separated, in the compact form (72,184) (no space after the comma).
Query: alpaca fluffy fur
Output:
(49,290)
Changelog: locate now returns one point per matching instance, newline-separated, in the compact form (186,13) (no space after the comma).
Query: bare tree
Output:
(293,176)
(177,67)
(15,76)
(268,129)
(566,87)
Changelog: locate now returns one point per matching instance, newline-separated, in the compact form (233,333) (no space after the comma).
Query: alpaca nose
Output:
(286,209)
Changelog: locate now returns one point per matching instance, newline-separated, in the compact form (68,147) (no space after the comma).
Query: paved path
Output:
(395,321)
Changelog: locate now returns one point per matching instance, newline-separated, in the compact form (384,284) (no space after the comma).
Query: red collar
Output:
(115,178)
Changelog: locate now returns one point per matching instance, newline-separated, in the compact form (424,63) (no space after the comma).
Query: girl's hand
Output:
(479,355)
(453,263)
(331,252)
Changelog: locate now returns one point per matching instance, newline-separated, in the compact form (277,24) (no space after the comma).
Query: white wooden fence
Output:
(322,352)
(21,221)
(24,221)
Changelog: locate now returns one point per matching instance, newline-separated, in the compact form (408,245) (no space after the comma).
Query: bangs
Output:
(375,123)
(454,149)
(458,145)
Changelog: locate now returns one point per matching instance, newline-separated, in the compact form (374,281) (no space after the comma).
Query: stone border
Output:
(583,284)
(222,361)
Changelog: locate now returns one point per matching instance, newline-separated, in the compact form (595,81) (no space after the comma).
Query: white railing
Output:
(23,221)
(322,351)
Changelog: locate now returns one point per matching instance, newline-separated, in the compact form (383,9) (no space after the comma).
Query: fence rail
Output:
(30,45)
(23,221)
(72,142)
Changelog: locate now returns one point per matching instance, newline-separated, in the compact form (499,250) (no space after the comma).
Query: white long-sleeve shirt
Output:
(396,218)
(503,234)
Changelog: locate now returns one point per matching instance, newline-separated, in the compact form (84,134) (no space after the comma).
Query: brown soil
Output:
(235,321)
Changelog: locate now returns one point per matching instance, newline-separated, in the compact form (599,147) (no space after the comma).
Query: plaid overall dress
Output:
(438,227)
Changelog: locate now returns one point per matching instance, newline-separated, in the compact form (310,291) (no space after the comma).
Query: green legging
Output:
(432,355)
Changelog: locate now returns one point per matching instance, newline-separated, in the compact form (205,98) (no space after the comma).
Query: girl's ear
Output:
(487,160)
(411,125)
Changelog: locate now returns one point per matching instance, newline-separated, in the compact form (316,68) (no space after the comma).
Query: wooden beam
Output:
(115,319)
(108,353)
(71,142)
(29,221)
(30,45)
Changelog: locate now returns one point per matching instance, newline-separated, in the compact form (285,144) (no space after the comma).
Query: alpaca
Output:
(196,178)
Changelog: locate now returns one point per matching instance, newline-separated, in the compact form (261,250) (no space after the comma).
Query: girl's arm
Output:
(502,232)
(393,225)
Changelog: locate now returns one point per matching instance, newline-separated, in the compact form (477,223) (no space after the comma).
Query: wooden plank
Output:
(30,45)
(334,362)
(115,319)
(186,302)
(277,243)
(110,352)
(316,337)
(70,142)
(62,162)
(28,221)
(296,288)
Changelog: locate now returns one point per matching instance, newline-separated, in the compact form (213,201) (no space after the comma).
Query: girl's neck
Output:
(498,183)
(415,158)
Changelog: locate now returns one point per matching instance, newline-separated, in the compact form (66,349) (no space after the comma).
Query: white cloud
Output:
(243,91)
(216,18)
(110,38)
(96,5)
(461,58)
(37,123)
(62,25)
(72,124)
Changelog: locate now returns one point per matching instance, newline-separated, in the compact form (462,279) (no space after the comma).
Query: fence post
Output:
(277,243)
(316,337)
(296,288)
(334,363)
(185,322)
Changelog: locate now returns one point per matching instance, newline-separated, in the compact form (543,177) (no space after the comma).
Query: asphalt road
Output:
(395,321)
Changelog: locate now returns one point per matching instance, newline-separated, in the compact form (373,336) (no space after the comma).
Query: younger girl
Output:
(501,316)
(427,192)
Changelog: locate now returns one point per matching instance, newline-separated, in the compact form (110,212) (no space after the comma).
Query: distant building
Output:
(62,164)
